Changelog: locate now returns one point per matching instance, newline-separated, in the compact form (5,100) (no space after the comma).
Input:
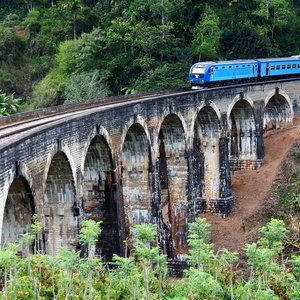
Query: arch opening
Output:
(135,178)
(207,155)
(242,133)
(173,174)
(61,219)
(277,113)
(99,199)
(19,208)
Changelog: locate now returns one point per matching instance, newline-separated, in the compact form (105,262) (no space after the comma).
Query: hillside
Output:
(259,195)
(65,51)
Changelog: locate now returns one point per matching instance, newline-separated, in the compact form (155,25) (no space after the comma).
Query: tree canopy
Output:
(123,46)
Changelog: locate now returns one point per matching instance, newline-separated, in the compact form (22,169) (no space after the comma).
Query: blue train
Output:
(218,73)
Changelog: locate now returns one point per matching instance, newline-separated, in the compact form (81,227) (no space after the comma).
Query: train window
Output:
(223,67)
(272,67)
(248,65)
(298,66)
(236,66)
(243,66)
(288,66)
(230,66)
(278,67)
(283,67)
(217,67)
(294,66)
(198,70)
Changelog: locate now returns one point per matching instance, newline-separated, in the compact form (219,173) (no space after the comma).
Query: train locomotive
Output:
(218,73)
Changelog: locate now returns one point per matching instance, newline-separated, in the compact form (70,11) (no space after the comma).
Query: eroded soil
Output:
(252,191)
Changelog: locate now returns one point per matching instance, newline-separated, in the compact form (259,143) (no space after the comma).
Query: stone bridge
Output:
(161,160)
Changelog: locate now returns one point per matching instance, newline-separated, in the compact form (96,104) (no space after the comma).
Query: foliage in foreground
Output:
(8,104)
(143,275)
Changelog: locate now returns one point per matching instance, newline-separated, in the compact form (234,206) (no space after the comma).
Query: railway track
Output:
(22,118)
(20,123)
(17,124)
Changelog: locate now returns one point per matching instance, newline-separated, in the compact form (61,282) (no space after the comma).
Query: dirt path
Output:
(250,188)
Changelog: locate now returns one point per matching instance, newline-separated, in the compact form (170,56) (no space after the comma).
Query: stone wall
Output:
(161,160)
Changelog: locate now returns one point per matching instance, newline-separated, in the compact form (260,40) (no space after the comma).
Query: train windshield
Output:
(198,70)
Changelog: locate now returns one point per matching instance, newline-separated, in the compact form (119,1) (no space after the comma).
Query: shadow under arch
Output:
(136,179)
(207,132)
(18,211)
(242,136)
(278,112)
(60,213)
(99,201)
(173,174)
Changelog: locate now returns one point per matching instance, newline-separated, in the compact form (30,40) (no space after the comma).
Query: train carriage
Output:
(211,73)
(276,67)
(216,73)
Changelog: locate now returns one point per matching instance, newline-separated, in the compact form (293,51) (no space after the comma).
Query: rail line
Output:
(21,118)
(15,124)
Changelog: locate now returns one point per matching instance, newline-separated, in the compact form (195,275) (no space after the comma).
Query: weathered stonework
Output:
(161,160)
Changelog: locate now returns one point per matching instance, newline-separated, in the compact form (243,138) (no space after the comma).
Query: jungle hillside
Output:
(66,51)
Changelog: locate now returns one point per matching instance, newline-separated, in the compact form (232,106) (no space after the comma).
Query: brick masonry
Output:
(161,160)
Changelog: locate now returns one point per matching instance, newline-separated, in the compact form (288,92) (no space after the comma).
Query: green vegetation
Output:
(8,104)
(290,194)
(143,275)
(65,51)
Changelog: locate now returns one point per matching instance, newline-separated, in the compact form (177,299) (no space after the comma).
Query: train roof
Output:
(245,61)
(279,59)
(204,63)
(224,62)
(236,61)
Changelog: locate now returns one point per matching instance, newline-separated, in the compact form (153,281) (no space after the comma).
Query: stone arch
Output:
(182,121)
(18,169)
(18,211)
(136,120)
(136,161)
(234,102)
(60,146)
(98,195)
(173,173)
(97,130)
(61,227)
(213,107)
(206,156)
(278,110)
(242,135)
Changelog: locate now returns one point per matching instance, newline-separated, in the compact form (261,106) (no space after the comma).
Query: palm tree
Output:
(74,6)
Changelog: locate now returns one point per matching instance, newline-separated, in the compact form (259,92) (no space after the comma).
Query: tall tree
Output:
(74,7)
(273,14)
(206,35)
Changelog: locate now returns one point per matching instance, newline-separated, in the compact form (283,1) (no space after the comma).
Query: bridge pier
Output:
(196,201)
(224,204)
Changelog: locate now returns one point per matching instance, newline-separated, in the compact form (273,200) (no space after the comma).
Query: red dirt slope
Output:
(250,189)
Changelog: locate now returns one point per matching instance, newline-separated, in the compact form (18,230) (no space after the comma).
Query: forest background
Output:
(65,51)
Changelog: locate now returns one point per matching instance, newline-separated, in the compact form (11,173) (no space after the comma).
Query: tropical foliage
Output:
(143,275)
(56,51)
(8,104)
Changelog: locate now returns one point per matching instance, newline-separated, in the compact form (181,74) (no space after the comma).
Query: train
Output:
(219,73)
